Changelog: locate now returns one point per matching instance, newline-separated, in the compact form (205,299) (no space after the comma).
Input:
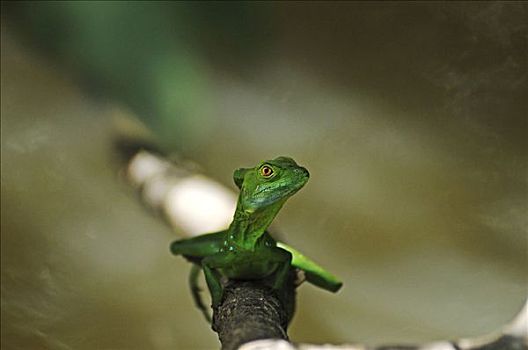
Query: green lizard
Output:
(246,251)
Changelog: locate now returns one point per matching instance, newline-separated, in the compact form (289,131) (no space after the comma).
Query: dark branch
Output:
(249,311)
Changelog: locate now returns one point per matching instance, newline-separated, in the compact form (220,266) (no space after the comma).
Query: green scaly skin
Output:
(246,251)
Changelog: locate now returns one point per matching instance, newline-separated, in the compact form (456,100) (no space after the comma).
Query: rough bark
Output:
(251,310)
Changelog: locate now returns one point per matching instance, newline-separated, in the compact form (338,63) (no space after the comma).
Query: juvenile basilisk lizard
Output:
(246,251)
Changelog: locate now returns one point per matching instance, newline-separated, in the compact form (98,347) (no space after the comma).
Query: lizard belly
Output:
(248,267)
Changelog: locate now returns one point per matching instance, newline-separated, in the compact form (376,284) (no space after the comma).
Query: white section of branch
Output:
(274,344)
(144,166)
(192,203)
(519,326)
(199,205)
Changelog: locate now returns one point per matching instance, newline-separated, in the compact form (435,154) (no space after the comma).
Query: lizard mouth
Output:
(279,189)
(270,195)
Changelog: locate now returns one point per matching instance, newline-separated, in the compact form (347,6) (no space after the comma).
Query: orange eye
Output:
(266,171)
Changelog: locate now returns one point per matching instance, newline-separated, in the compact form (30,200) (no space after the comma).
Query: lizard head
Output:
(270,182)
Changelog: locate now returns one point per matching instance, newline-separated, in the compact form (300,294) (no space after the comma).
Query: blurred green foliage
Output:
(150,55)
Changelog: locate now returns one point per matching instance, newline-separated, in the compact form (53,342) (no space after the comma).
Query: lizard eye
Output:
(266,171)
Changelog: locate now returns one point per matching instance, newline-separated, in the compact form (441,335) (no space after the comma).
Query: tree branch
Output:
(250,311)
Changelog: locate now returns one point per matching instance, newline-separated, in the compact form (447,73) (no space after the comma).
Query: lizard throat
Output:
(248,227)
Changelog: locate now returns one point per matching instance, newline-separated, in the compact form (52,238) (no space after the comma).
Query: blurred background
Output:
(411,117)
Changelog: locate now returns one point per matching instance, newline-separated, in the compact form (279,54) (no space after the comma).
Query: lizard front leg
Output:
(199,246)
(196,249)
(280,279)
(283,258)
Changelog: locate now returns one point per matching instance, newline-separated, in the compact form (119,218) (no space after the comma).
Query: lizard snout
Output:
(303,171)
